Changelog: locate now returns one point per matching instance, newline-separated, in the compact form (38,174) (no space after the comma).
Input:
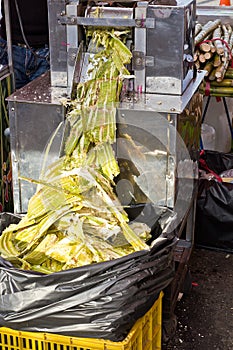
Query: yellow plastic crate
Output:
(146,334)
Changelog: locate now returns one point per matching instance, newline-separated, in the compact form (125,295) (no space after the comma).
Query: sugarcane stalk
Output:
(198,64)
(221,70)
(208,55)
(206,29)
(224,82)
(216,60)
(211,76)
(205,45)
(231,42)
(208,68)
(229,28)
(196,55)
(226,33)
(229,73)
(220,91)
(227,44)
(217,33)
(202,58)
(218,50)
(212,47)
(198,28)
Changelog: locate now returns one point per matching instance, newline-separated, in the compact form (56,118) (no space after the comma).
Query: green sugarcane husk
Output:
(229,73)
(208,68)
(7,247)
(224,82)
(211,76)
(220,91)
(80,183)
(216,60)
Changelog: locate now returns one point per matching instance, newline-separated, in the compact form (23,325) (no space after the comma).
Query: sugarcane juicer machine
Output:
(161,40)
(157,98)
(159,104)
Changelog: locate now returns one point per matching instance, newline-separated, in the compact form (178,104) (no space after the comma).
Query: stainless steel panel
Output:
(72,47)
(161,102)
(58,44)
(154,158)
(171,45)
(162,41)
(169,142)
(140,47)
(162,161)
(35,111)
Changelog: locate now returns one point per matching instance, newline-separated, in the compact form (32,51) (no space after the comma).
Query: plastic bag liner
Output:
(214,215)
(101,300)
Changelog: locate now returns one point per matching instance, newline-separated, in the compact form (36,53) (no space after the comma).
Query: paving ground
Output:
(205,315)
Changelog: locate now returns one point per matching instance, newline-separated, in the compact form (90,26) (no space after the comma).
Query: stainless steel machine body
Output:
(161,41)
(35,112)
(164,86)
(169,135)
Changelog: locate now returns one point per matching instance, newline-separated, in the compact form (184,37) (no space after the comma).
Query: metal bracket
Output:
(145,23)
(140,61)
(72,53)
(106,22)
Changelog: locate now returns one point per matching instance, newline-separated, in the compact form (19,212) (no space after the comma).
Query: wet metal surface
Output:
(39,91)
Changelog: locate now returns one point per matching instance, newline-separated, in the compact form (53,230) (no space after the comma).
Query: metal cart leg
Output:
(205,109)
(203,118)
(228,116)
(182,280)
(190,226)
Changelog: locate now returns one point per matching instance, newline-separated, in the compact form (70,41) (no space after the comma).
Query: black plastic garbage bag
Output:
(214,216)
(101,300)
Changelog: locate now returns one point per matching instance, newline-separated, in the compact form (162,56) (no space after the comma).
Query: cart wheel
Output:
(187,285)
(169,328)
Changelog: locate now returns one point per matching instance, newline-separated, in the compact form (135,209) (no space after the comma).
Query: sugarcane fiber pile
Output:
(75,217)
(213,53)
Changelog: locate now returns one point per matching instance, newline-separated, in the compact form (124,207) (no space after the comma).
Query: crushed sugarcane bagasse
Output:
(75,217)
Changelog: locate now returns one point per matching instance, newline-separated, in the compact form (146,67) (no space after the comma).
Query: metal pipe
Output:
(9,41)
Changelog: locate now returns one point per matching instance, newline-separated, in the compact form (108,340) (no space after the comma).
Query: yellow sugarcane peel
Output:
(75,217)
